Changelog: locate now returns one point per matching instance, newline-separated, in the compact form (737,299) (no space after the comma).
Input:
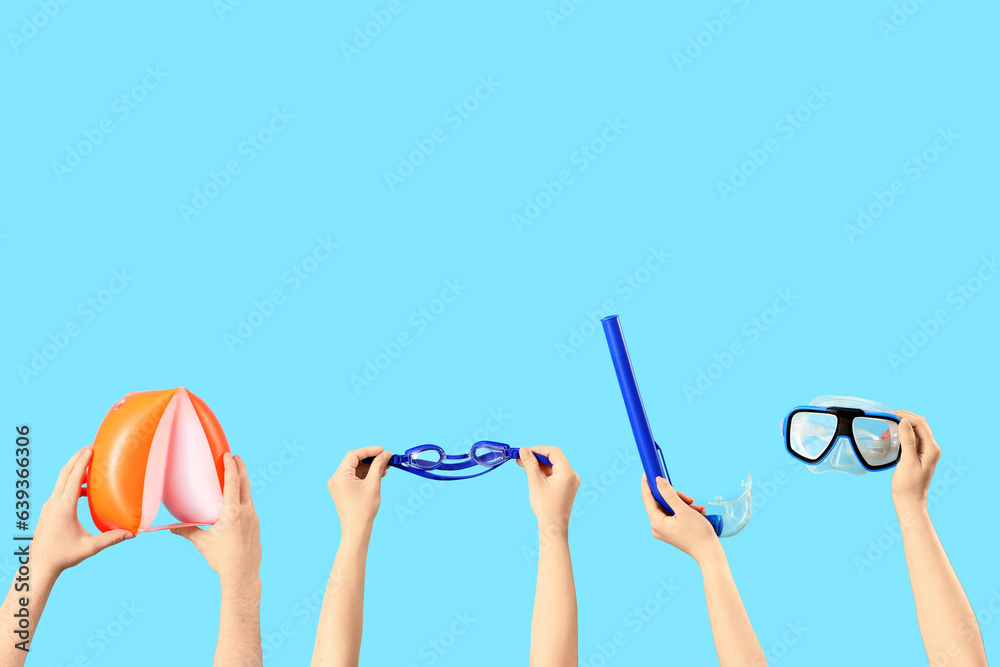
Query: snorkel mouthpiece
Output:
(716,522)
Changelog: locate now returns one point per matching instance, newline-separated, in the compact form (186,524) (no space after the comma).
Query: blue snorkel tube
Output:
(649,452)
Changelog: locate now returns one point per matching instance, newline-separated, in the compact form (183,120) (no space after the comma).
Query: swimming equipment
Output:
(735,513)
(843,434)
(423,460)
(156,447)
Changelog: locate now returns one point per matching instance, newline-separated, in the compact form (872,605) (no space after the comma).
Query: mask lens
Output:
(426,458)
(877,440)
(487,454)
(809,433)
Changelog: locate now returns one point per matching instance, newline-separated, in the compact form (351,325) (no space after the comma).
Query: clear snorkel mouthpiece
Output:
(735,513)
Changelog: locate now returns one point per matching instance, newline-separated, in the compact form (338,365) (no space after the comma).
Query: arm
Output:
(735,641)
(17,637)
(947,622)
(551,490)
(232,549)
(356,490)
(60,542)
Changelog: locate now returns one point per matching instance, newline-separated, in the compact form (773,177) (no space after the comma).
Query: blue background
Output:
(468,547)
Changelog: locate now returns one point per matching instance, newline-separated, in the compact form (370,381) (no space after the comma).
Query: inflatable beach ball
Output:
(156,447)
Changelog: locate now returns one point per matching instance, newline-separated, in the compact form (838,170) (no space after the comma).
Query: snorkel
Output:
(736,512)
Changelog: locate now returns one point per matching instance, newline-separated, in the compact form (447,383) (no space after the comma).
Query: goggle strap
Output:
(430,474)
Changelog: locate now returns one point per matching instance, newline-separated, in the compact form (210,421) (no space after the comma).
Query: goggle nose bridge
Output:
(843,445)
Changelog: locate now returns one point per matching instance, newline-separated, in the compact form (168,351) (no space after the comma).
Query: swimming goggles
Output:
(843,434)
(429,460)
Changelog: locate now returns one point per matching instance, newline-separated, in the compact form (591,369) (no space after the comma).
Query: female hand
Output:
(356,487)
(686,529)
(920,454)
(551,488)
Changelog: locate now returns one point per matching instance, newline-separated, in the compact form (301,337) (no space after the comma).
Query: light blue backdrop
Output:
(608,133)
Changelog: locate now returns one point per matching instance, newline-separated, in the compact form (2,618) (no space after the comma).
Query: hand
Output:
(232,545)
(60,540)
(686,529)
(551,489)
(920,454)
(356,488)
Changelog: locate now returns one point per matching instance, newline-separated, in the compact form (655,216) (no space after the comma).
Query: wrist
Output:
(43,570)
(709,555)
(356,533)
(43,575)
(910,511)
(553,527)
(241,583)
(909,502)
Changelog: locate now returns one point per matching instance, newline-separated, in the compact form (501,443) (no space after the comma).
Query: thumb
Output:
(908,442)
(652,507)
(191,533)
(668,493)
(530,463)
(377,469)
(101,542)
